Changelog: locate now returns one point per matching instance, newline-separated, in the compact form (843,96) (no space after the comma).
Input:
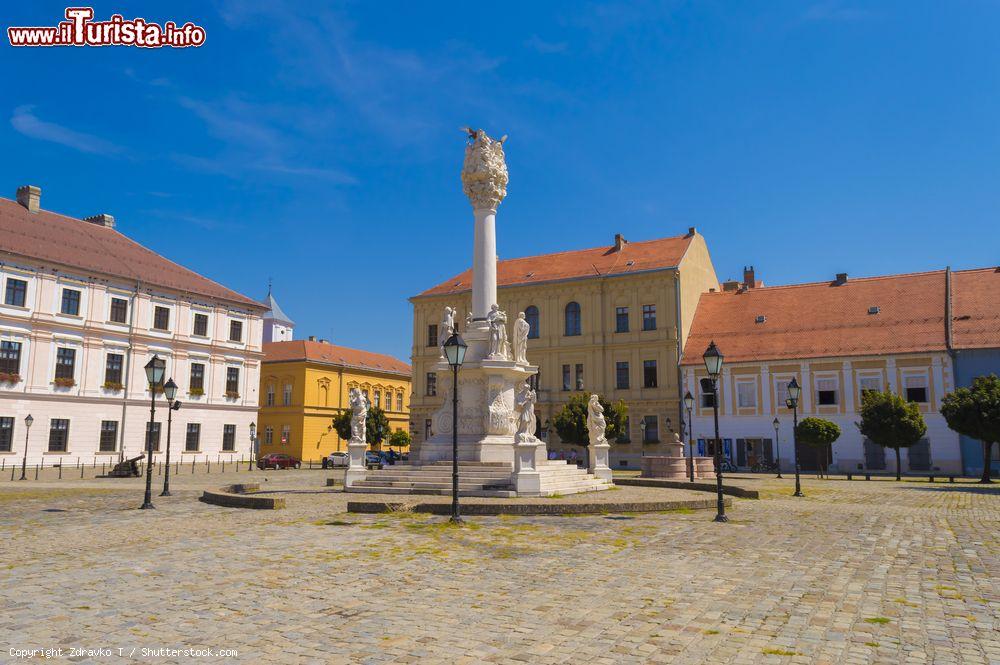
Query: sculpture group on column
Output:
(359,415)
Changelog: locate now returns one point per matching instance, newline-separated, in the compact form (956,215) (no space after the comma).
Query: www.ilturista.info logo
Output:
(79,29)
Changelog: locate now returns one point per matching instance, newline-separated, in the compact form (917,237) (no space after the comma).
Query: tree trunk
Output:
(898,466)
(987,450)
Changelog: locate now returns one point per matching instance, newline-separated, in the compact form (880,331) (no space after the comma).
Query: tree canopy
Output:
(817,432)
(399,439)
(376,426)
(571,421)
(975,412)
(890,421)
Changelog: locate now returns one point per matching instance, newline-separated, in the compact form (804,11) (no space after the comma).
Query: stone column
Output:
(484,181)
(484,263)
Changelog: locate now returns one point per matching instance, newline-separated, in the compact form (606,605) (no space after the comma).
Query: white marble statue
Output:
(359,415)
(521,330)
(446,328)
(484,172)
(524,404)
(596,424)
(499,346)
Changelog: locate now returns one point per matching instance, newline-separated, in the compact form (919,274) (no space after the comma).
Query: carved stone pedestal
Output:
(599,461)
(356,469)
(527,479)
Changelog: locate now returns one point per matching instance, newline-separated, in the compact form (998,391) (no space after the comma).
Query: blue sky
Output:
(318,145)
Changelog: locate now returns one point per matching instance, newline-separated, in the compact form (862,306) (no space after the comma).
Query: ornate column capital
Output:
(484,172)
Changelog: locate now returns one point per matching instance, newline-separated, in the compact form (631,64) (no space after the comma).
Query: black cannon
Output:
(127,469)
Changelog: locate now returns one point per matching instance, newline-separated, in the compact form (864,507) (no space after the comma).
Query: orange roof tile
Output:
(822,319)
(323,352)
(48,237)
(976,308)
(577,264)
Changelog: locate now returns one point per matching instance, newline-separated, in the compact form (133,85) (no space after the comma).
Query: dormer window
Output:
(760,318)
(874,309)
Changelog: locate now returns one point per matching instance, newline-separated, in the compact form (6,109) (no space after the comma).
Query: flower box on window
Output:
(156,388)
(6,377)
(232,394)
(64,382)
(113,386)
(196,392)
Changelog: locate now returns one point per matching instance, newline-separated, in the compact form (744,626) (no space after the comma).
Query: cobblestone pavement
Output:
(856,572)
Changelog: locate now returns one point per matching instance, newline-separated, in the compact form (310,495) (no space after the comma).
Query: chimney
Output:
(312,338)
(749,280)
(620,242)
(841,279)
(323,341)
(730,285)
(692,230)
(104,219)
(29,196)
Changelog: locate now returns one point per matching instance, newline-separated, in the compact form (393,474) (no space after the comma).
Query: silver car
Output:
(336,459)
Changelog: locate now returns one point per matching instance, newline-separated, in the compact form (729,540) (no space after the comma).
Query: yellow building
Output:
(304,384)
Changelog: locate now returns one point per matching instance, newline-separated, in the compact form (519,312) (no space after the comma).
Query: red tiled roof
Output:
(577,264)
(976,308)
(322,352)
(822,319)
(48,237)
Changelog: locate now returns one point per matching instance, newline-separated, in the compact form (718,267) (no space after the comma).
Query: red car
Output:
(278,461)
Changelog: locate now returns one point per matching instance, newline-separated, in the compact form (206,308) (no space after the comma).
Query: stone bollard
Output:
(356,470)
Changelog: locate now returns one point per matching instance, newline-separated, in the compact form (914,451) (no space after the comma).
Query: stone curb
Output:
(687,485)
(554,508)
(234,496)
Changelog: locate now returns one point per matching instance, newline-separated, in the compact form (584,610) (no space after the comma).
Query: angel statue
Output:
(521,330)
(499,346)
(447,327)
(524,403)
(359,415)
(596,424)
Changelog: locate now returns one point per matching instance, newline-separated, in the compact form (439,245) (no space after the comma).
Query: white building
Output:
(838,339)
(82,309)
(277,326)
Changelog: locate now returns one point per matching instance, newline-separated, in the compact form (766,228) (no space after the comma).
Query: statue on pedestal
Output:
(596,424)
(521,330)
(447,327)
(499,346)
(484,173)
(359,415)
(524,404)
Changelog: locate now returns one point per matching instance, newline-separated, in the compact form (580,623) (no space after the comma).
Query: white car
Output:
(336,459)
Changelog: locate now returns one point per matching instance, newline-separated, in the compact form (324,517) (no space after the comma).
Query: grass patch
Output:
(334,523)
(904,601)
(711,631)
(555,495)
(779,652)
(873,645)
(877,620)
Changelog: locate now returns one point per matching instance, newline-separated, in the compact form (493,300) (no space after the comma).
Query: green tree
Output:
(400,439)
(975,412)
(819,433)
(376,426)
(571,421)
(891,422)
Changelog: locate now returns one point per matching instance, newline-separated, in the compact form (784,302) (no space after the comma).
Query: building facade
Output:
(609,320)
(837,339)
(305,383)
(83,309)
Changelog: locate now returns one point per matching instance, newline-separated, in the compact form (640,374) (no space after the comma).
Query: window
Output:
(232,380)
(286,395)
(286,434)
(193,439)
(229,437)
(916,388)
(235,331)
(119,310)
(869,384)
(378,398)
(566,378)
(707,396)
(201,325)
(269,395)
(826,392)
(109,436)
(579,376)
(268,435)
(649,373)
(70,302)
(746,394)
(197,380)
(572,319)
(621,319)
(10,357)
(531,316)
(65,361)
(153,435)
(652,430)
(649,317)
(17,292)
(781,391)
(113,368)
(399,401)
(625,436)
(621,376)
(432,384)
(161,318)
(6,434)
(432,335)
(58,435)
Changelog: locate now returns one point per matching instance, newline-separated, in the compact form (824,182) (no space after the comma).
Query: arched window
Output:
(572,319)
(531,316)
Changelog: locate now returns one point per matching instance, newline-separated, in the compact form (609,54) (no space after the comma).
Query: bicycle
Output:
(764,466)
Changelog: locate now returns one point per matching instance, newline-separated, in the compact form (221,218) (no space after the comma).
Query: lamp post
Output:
(154,376)
(454,350)
(777,444)
(253,443)
(170,392)
(713,363)
(794,392)
(28,420)
(689,405)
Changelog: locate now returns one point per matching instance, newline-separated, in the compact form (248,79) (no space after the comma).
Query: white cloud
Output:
(26,122)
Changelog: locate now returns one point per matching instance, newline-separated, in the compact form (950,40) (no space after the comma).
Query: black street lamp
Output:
(713,363)
(454,350)
(253,443)
(170,392)
(689,405)
(777,444)
(794,392)
(28,420)
(154,376)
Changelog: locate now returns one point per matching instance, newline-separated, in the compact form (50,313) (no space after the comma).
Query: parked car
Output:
(373,460)
(335,459)
(278,461)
